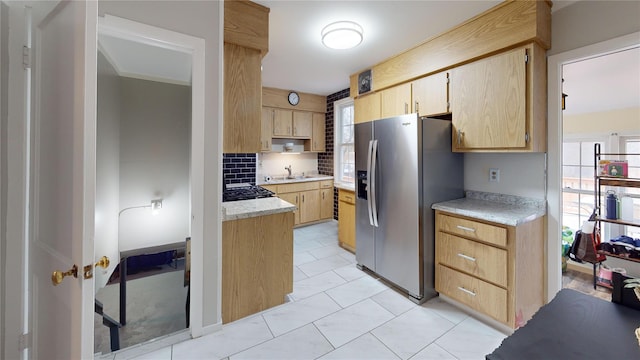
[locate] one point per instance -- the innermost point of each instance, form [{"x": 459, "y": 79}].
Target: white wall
[
  {"x": 4, "y": 74},
  {"x": 621, "y": 121},
  {"x": 107, "y": 169},
  {"x": 520, "y": 174},
  {"x": 154, "y": 162},
  {"x": 273, "y": 164},
  {"x": 200, "y": 19}
]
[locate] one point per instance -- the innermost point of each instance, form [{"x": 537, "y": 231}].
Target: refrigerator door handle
[
  {"x": 370, "y": 212},
  {"x": 374, "y": 160}
]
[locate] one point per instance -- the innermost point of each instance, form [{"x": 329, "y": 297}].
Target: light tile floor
[{"x": 339, "y": 312}]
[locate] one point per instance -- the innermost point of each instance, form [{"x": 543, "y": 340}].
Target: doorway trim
[
  {"x": 155, "y": 36},
  {"x": 554, "y": 136}
]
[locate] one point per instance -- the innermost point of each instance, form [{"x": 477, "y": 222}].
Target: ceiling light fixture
[{"x": 342, "y": 35}]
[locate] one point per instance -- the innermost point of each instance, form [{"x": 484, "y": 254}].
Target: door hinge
[
  {"x": 24, "y": 341},
  {"x": 526, "y": 137},
  {"x": 26, "y": 57},
  {"x": 526, "y": 58}
]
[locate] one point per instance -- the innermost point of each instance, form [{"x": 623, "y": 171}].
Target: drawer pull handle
[
  {"x": 467, "y": 257},
  {"x": 466, "y": 228},
  {"x": 466, "y": 291}
]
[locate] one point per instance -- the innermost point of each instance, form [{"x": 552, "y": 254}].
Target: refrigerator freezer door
[
  {"x": 398, "y": 255},
  {"x": 365, "y": 248}
]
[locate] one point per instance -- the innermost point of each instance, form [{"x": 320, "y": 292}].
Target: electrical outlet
[{"x": 494, "y": 175}]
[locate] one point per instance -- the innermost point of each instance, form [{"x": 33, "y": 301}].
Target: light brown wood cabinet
[
  {"x": 347, "y": 219},
  {"x": 326, "y": 199},
  {"x": 282, "y": 122},
  {"x": 430, "y": 95},
  {"x": 396, "y": 101},
  {"x": 246, "y": 29},
  {"x": 257, "y": 264},
  {"x": 266, "y": 130},
  {"x": 302, "y": 125},
  {"x": 495, "y": 103},
  {"x": 367, "y": 108},
  {"x": 494, "y": 269},
  {"x": 314, "y": 199},
  {"x": 318, "y": 135}
]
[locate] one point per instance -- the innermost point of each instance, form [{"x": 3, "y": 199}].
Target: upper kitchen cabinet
[
  {"x": 246, "y": 41},
  {"x": 430, "y": 95},
  {"x": 318, "y": 136},
  {"x": 302, "y": 124},
  {"x": 498, "y": 103},
  {"x": 367, "y": 108},
  {"x": 282, "y": 122},
  {"x": 266, "y": 129},
  {"x": 396, "y": 101}
]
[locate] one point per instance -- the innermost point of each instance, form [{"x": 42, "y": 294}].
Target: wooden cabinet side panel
[
  {"x": 318, "y": 136},
  {"x": 267, "y": 129},
  {"x": 496, "y": 121},
  {"x": 537, "y": 96},
  {"x": 367, "y": 108},
  {"x": 278, "y": 98},
  {"x": 246, "y": 24},
  {"x": 242, "y": 100},
  {"x": 257, "y": 264},
  {"x": 347, "y": 221},
  {"x": 529, "y": 270}
]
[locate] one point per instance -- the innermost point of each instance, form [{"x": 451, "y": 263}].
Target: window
[
  {"x": 630, "y": 197},
  {"x": 577, "y": 181},
  {"x": 344, "y": 154}
]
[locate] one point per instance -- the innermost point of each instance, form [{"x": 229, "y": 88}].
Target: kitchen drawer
[
  {"x": 326, "y": 184},
  {"x": 472, "y": 229},
  {"x": 347, "y": 196},
  {"x": 297, "y": 187},
  {"x": 484, "y": 261},
  {"x": 477, "y": 294}
]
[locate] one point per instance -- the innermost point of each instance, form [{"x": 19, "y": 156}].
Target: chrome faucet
[{"x": 288, "y": 168}]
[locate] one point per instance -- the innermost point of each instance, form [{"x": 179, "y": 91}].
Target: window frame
[{"x": 338, "y": 144}]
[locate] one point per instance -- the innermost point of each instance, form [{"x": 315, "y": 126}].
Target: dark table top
[{"x": 575, "y": 326}]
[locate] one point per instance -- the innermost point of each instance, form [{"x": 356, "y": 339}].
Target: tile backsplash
[{"x": 239, "y": 168}]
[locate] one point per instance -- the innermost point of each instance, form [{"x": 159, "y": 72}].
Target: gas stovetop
[{"x": 245, "y": 192}]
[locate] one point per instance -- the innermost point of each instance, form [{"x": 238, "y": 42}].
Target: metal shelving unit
[{"x": 601, "y": 181}]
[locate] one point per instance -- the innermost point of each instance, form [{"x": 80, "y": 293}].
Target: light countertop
[
  {"x": 243, "y": 209},
  {"x": 284, "y": 180},
  {"x": 498, "y": 208},
  {"x": 345, "y": 186}
]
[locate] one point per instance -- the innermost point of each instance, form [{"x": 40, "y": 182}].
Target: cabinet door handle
[
  {"x": 466, "y": 228},
  {"x": 406, "y": 108},
  {"x": 322, "y": 196},
  {"x": 467, "y": 257},
  {"x": 466, "y": 291},
  {"x": 302, "y": 198},
  {"x": 296, "y": 199},
  {"x": 459, "y": 137}
]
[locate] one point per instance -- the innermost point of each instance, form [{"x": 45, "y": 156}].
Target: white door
[{"x": 62, "y": 177}]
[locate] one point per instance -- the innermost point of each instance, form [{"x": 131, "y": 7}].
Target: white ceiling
[{"x": 603, "y": 83}]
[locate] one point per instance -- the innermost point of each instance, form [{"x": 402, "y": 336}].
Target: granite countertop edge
[
  {"x": 498, "y": 208},
  {"x": 245, "y": 209}
]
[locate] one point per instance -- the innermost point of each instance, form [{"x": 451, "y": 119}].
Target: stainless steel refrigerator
[{"x": 404, "y": 164}]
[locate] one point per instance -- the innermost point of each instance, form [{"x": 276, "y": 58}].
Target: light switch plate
[{"x": 494, "y": 175}]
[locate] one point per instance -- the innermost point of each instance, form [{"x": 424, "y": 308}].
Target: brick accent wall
[
  {"x": 239, "y": 168},
  {"x": 325, "y": 159}
]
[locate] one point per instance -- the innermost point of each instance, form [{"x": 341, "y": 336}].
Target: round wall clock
[{"x": 294, "y": 98}]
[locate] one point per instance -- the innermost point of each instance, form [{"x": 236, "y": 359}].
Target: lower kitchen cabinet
[
  {"x": 495, "y": 269},
  {"x": 347, "y": 219},
  {"x": 257, "y": 264},
  {"x": 314, "y": 199}
]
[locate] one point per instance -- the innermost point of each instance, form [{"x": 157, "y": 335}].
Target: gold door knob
[
  {"x": 58, "y": 276},
  {"x": 88, "y": 270},
  {"x": 103, "y": 262}
]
